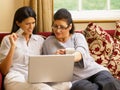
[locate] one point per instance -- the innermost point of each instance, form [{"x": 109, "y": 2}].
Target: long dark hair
[
  {"x": 20, "y": 15},
  {"x": 64, "y": 14}
]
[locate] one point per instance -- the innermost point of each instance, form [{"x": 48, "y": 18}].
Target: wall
[
  {"x": 7, "y": 9},
  {"x": 104, "y": 25}
]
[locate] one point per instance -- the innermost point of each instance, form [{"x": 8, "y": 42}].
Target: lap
[
  {"x": 106, "y": 81},
  {"x": 17, "y": 81},
  {"x": 61, "y": 86},
  {"x": 100, "y": 81},
  {"x": 84, "y": 85}
]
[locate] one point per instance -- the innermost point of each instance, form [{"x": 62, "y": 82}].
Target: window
[{"x": 90, "y": 9}]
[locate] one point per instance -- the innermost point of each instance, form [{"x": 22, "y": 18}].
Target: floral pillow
[
  {"x": 114, "y": 63},
  {"x": 117, "y": 32},
  {"x": 100, "y": 43}
]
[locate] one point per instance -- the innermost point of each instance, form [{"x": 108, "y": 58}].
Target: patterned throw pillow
[
  {"x": 114, "y": 64},
  {"x": 100, "y": 43},
  {"x": 117, "y": 32}
]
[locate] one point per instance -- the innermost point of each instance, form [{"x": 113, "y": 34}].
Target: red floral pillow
[
  {"x": 117, "y": 32},
  {"x": 114, "y": 64},
  {"x": 100, "y": 43}
]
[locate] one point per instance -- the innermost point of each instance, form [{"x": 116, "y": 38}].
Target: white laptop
[{"x": 50, "y": 68}]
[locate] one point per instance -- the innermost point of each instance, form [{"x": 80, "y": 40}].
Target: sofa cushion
[{"x": 100, "y": 43}]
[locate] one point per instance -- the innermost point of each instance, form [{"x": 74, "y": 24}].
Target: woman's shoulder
[
  {"x": 50, "y": 37},
  {"x": 5, "y": 40},
  {"x": 6, "y": 37},
  {"x": 78, "y": 35}
]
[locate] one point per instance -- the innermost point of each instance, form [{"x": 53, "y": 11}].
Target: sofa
[{"x": 104, "y": 46}]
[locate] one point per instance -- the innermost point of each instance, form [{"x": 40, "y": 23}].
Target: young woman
[
  {"x": 88, "y": 75},
  {"x": 16, "y": 48}
]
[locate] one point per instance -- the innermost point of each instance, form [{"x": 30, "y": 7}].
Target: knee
[
  {"x": 84, "y": 85},
  {"x": 111, "y": 86}
]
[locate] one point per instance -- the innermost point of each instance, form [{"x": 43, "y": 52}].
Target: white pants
[{"x": 16, "y": 81}]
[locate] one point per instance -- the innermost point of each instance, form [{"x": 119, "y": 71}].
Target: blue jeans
[{"x": 100, "y": 81}]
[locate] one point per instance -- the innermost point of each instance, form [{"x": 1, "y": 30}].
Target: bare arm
[{"x": 6, "y": 63}]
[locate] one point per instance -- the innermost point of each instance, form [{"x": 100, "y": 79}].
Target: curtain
[{"x": 44, "y": 11}]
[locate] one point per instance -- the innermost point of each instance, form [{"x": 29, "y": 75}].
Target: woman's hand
[
  {"x": 13, "y": 37},
  {"x": 77, "y": 55},
  {"x": 60, "y": 51}
]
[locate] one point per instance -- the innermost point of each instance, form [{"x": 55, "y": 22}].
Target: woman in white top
[
  {"x": 15, "y": 51},
  {"x": 16, "y": 48},
  {"x": 87, "y": 75}
]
